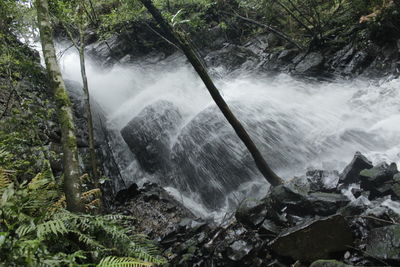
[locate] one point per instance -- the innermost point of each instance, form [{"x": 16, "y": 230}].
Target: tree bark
[
  {"x": 72, "y": 185},
  {"x": 262, "y": 165},
  {"x": 92, "y": 150}
]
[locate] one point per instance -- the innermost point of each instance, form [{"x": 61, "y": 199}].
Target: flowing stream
[{"x": 177, "y": 136}]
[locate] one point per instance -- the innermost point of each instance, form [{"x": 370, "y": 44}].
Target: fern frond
[
  {"x": 5, "y": 181},
  {"x": 54, "y": 227},
  {"x": 88, "y": 240},
  {"x": 25, "y": 229},
  {"x": 123, "y": 262}
]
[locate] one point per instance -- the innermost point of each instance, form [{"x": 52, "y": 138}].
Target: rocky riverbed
[{"x": 323, "y": 218}]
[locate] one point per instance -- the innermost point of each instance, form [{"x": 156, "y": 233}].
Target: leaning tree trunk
[
  {"x": 92, "y": 150},
  {"x": 262, "y": 165},
  {"x": 72, "y": 187}
]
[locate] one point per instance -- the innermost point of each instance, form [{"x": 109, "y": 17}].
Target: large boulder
[
  {"x": 351, "y": 173},
  {"x": 314, "y": 240},
  {"x": 379, "y": 180},
  {"x": 384, "y": 243},
  {"x": 149, "y": 134},
  {"x": 311, "y": 63},
  {"x": 296, "y": 202},
  {"x": 209, "y": 159}
]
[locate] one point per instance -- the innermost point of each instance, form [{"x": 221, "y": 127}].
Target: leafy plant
[{"x": 35, "y": 231}]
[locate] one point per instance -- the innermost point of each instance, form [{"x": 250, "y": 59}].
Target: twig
[
  {"x": 270, "y": 28},
  {"x": 160, "y": 35},
  {"x": 377, "y": 219}
]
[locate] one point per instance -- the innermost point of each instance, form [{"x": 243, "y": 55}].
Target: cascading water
[{"x": 174, "y": 135}]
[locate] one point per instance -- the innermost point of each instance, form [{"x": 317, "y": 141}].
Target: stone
[
  {"x": 356, "y": 192},
  {"x": 238, "y": 250},
  {"x": 268, "y": 227},
  {"x": 148, "y": 134},
  {"x": 329, "y": 263},
  {"x": 294, "y": 202},
  {"x": 311, "y": 63},
  {"x": 378, "y": 180},
  {"x": 251, "y": 213},
  {"x": 351, "y": 173},
  {"x": 356, "y": 207},
  {"x": 396, "y": 187},
  {"x": 326, "y": 203},
  {"x": 324, "y": 181},
  {"x": 314, "y": 240},
  {"x": 384, "y": 243}
]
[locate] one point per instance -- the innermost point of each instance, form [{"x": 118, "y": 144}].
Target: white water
[{"x": 330, "y": 121}]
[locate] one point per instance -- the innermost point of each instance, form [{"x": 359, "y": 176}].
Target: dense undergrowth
[
  {"x": 35, "y": 227},
  {"x": 313, "y": 23}
]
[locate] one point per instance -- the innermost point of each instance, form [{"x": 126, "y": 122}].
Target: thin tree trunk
[
  {"x": 262, "y": 165},
  {"x": 92, "y": 150},
  {"x": 72, "y": 185}
]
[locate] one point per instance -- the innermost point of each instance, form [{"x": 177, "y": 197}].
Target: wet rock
[
  {"x": 268, "y": 227},
  {"x": 378, "y": 180},
  {"x": 329, "y": 263},
  {"x": 311, "y": 63},
  {"x": 358, "y": 63},
  {"x": 396, "y": 187},
  {"x": 384, "y": 243},
  {"x": 326, "y": 203},
  {"x": 231, "y": 56},
  {"x": 323, "y": 181},
  {"x": 126, "y": 194},
  {"x": 238, "y": 250},
  {"x": 314, "y": 240},
  {"x": 351, "y": 173},
  {"x": 356, "y": 192},
  {"x": 294, "y": 202},
  {"x": 251, "y": 213},
  {"x": 356, "y": 207},
  {"x": 157, "y": 214},
  {"x": 148, "y": 134}
]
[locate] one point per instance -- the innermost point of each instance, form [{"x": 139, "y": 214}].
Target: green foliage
[
  {"x": 35, "y": 231},
  {"x": 316, "y": 21},
  {"x": 21, "y": 141}
]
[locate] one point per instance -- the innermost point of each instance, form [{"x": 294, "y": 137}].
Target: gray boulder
[
  {"x": 314, "y": 240},
  {"x": 384, "y": 243},
  {"x": 148, "y": 135},
  {"x": 351, "y": 173}
]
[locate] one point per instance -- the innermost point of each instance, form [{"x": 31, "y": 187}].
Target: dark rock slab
[
  {"x": 384, "y": 243},
  {"x": 351, "y": 173},
  {"x": 293, "y": 201},
  {"x": 296, "y": 202},
  {"x": 379, "y": 179},
  {"x": 251, "y": 213},
  {"x": 314, "y": 240},
  {"x": 311, "y": 63},
  {"x": 148, "y": 134},
  {"x": 326, "y": 203}
]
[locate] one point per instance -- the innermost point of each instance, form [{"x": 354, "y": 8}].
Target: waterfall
[{"x": 173, "y": 134}]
